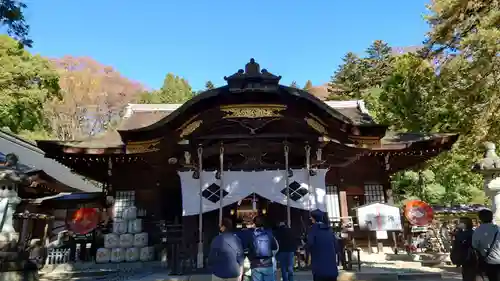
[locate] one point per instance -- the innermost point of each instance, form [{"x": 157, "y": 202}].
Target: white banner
[{"x": 238, "y": 185}]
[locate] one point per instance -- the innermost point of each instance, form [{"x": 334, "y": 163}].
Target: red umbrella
[
  {"x": 419, "y": 213},
  {"x": 84, "y": 220}
]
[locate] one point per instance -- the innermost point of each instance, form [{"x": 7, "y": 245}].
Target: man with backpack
[
  {"x": 226, "y": 254},
  {"x": 486, "y": 242},
  {"x": 261, "y": 249}
]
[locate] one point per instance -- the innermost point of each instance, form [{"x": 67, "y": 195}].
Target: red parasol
[
  {"x": 419, "y": 213},
  {"x": 84, "y": 220}
]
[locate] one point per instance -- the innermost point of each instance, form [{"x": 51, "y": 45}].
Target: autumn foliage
[{"x": 94, "y": 95}]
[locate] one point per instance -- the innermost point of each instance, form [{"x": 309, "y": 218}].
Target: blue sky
[{"x": 205, "y": 40}]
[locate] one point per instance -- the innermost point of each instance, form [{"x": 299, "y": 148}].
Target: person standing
[
  {"x": 323, "y": 248},
  {"x": 285, "y": 256},
  {"x": 226, "y": 254},
  {"x": 486, "y": 242},
  {"x": 261, "y": 246},
  {"x": 462, "y": 252}
]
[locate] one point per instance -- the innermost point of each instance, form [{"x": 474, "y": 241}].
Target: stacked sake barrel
[{"x": 127, "y": 242}]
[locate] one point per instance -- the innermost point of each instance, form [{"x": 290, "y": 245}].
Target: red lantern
[
  {"x": 419, "y": 213},
  {"x": 84, "y": 220}
]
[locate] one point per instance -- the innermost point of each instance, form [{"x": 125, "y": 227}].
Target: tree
[
  {"x": 94, "y": 96},
  {"x": 12, "y": 16},
  {"x": 456, "y": 25},
  {"x": 174, "y": 90},
  {"x": 414, "y": 94},
  {"x": 308, "y": 85},
  {"x": 294, "y": 85},
  {"x": 27, "y": 83},
  {"x": 348, "y": 81},
  {"x": 209, "y": 85},
  {"x": 470, "y": 31}
]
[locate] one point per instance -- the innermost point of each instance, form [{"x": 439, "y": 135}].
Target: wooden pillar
[
  {"x": 344, "y": 211},
  {"x": 389, "y": 199}
]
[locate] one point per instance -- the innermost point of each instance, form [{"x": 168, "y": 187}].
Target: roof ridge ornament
[{"x": 252, "y": 79}]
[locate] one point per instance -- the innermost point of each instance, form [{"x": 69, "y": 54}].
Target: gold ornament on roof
[
  {"x": 190, "y": 128},
  {"x": 142, "y": 147},
  {"x": 253, "y": 111},
  {"x": 316, "y": 125}
]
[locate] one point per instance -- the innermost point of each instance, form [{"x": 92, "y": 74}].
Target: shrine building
[{"x": 250, "y": 147}]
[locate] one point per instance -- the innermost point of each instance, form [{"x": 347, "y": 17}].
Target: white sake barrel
[
  {"x": 141, "y": 239},
  {"x": 103, "y": 255},
  {"x": 130, "y": 213},
  {"x": 147, "y": 254},
  {"x": 119, "y": 226},
  {"x": 117, "y": 255},
  {"x": 111, "y": 240},
  {"x": 132, "y": 254},
  {"x": 126, "y": 240},
  {"x": 135, "y": 226}
]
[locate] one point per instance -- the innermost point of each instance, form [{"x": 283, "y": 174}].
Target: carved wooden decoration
[
  {"x": 252, "y": 111},
  {"x": 364, "y": 141},
  {"x": 190, "y": 128},
  {"x": 143, "y": 146},
  {"x": 316, "y": 125}
]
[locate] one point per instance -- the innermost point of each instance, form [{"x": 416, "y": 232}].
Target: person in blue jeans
[
  {"x": 261, "y": 246},
  {"x": 286, "y": 254}
]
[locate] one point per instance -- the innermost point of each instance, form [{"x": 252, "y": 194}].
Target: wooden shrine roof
[
  {"x": 33, "y": 158},
  {"x": 141, "y": 115},
  {"x": 254, "y": 94}
]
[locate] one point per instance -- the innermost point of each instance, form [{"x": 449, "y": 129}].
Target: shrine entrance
[
  {"x": 247, "y": 209},
  {"x": 243, "y": 212}
]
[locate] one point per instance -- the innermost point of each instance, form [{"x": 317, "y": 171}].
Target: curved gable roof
[{"x": 200, "y": 101}]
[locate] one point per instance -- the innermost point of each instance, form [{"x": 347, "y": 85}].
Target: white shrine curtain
[{"x": 239, "y": 184}]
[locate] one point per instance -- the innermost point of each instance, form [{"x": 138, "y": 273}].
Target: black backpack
[
  {"x": 261, "y": 245},
  {"x": 462, "y": 252}
]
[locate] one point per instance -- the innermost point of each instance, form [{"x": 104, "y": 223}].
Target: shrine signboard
[{"x": 379, "y": 217}]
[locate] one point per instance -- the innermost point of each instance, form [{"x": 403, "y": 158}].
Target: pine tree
[
  {"x": 308, "y": 85},
  {"x": 209, "y": 85}
]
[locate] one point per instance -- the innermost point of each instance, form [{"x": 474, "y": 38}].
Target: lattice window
[
  {"x": 374, "y": 193},
  {"x": 124, "y": 200},
  {"x": 296, "y": 191}
]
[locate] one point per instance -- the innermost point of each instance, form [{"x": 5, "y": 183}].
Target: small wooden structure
[{"x": 252, "y": 145}]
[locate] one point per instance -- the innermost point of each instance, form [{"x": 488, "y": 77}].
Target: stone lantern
[
  {"x": 10, "y": 179},
  {"x": 489, "y": 167},
  {"x": 14, "y": 261}
]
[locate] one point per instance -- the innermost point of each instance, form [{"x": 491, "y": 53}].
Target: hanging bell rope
[
  {"x": 221, "y": 173},
  {"x": 287, "y": 186},
  {"x": 199, "y": 260},
  {"x": 308, "y": 173}
]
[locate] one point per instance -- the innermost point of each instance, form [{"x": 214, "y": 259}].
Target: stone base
[
  {"x": 31, "y": 275},
  {"x": 8, "y": 241}
]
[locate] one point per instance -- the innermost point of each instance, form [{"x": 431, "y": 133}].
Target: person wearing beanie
[{"x": 323, "y": 246}]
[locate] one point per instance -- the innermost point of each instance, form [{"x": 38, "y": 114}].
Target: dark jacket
[
  {"x": 462, "y": 248},
  {"x": 286, "y": 239},
  {"x": 226, "y": 256},
  {"x": 323, "y": 246}
]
